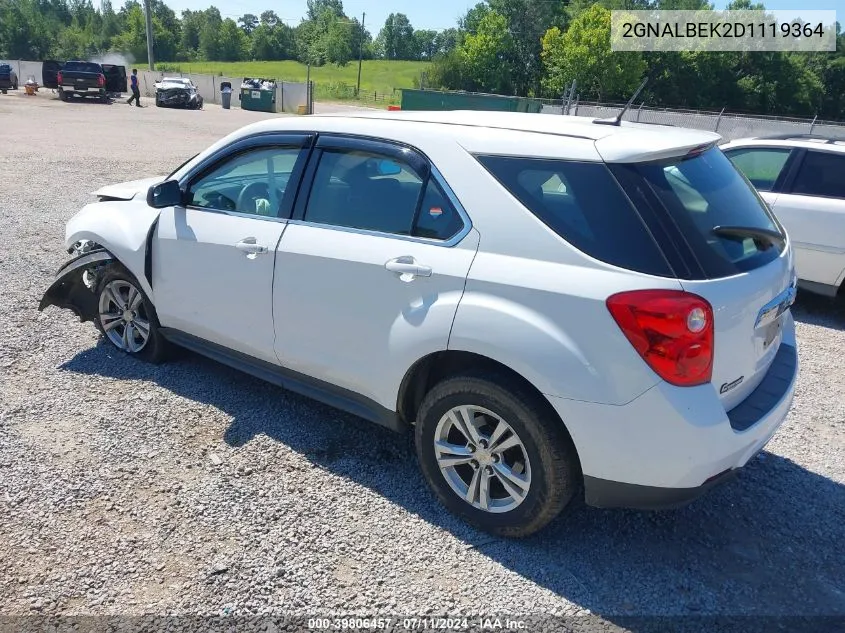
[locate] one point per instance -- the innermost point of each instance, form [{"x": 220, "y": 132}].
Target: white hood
[{"x": 128, "y": 190}]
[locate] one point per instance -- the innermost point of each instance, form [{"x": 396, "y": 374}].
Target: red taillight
[
  {"x": 672, "y": 330},
  {"x": 101, "y": 80},
  {"x": 59, "y": 78}
]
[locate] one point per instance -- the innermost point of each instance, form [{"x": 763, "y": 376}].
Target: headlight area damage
[
  {"x": 73, "y": 287},
  {"x": 178, "y": 97}
]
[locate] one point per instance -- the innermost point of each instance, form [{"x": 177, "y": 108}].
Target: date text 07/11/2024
[{"x": 416, "y": 624}]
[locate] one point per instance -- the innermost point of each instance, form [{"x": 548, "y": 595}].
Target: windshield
[
  {"x": 83, "y": 67},
  {"x": 716, "y": 211}
]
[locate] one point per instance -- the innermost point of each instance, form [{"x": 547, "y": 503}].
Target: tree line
[
  {"x": 71, "y": 29},
  {"x": 513, "y": 47}
]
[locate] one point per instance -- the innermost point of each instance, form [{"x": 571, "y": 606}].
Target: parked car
[
  {"x": 82, "y": 79},
  {"x": 8, "y": 78},
  {"x": 549, "y": 303},
  {"x": 114, "y": 78},
  {"x": 178, "y": 92},
  {"x": 802, "y": 178}
]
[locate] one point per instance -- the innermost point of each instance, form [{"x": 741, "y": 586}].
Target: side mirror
[
  {"x": 165, "y": 194},
  {"x": 386, "y": 167}
]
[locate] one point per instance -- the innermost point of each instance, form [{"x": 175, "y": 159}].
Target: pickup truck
[
  {"x": 8, "y": 78},
  {"x": 82, "y": 79}
]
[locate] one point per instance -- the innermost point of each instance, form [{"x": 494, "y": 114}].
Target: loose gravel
[{"x": 190, "y": 488}]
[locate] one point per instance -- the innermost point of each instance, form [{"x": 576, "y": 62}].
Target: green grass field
[{"x": 379, "y": 76}]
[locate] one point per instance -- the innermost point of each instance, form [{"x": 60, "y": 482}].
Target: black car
[
  {"x": 8, "y": 78},
  {"x": 115, "y": 76},
  {"x": 178, "y": 92}
]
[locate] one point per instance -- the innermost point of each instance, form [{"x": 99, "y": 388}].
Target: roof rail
[{"x": 830, "y": 140}]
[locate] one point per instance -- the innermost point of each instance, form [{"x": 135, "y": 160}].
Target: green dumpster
[{"x": 258, "y": 95}]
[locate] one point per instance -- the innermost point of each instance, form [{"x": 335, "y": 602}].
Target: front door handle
[
  {"x": 407, "y": 268},
  {"x": 249, "y": 246}
]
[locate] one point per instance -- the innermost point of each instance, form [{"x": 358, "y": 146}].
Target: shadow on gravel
[
  {"x": 768, "y": 543},
  {"x": 822, "y": 311}
]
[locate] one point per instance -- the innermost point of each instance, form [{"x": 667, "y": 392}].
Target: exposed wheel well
[{"x": 430, "y": 370}]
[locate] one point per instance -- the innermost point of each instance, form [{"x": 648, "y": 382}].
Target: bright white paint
[
  {"x": 320, "y": 301},
  {"x": 816, "y": 225}
]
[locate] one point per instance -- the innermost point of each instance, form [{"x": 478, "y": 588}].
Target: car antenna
[{"x": 617, "y": 120}]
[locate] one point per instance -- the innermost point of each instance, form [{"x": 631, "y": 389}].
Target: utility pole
[
  {"x": 149, "y": 34},
  {"x": 360, "y": 54}
]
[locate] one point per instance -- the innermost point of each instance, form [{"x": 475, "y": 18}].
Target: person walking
[{"x": 136, "y": 93}]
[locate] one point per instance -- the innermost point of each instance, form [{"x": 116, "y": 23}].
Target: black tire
[
  {"x": 156, "y": 349},
  {"x": 555, "y": 470},
  {"x": 62, "y": 95}
]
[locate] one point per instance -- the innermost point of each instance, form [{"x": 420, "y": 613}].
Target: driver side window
[{"x": 252, "y": 182}]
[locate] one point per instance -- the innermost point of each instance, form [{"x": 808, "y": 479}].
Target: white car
[
  {"x": 549, "y": 303},
  {"x": 802, "y": 178}
]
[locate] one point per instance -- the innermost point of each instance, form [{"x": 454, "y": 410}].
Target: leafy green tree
[
  {"x": 209, "y": 40},
  {"x": 133, "y": 39},
  {"x": 231, "y": 42},
  {"x": 396, "y": 39},
  {"x": 488, "y": 55},
  {"x": 526, "y": 22},
  {"x": 269, "y": 18},
  {"x": 248, "y": 23},
  {"x": 469, "y": 23},
  {"x": 446, "y": 41},
  {"x": 583, "y": 53},
  {"x": 316, "y": 8},
  {"x": 426, "y": 43}
]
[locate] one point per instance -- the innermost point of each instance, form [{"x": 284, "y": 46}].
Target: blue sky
[{"x": 424, "y": 14}]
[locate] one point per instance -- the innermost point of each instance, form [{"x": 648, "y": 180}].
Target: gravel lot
[{"x": 192, "y": 489}]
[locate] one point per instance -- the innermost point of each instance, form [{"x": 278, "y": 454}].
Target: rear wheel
[
  {"x": 495, "y": 456},
  {"x": 126, "y": 317}
]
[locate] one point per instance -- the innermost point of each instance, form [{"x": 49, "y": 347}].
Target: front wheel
[
  {"x": 496, "y": 457},
  {"x": 126, "y": 317}
]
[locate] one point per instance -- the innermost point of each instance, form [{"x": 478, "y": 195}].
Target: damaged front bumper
[
  {"x": 179, "y": 99},
  {"x": 73, "y": 287}
]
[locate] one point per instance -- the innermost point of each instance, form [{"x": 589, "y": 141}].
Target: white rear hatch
[{"x": 727, "y": 248}]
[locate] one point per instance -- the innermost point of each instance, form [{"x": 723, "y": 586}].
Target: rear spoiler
[{"x": 621, "y": 148}]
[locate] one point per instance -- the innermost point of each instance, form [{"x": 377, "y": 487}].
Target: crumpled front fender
[{"x": 69, "y": 291}]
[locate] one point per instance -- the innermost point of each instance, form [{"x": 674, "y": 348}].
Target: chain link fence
[{"x": 729, "y": 125}]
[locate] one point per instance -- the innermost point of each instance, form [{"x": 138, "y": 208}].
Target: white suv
[
  {"x": 550, "y": 303},
  {"x": 802, "y": 178}
]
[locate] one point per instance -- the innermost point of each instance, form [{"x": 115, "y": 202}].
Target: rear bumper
[
  {"x": 88, "y": 92},
  {"x": 672, "y": 444},
  {"x": 601, "y": 493}
]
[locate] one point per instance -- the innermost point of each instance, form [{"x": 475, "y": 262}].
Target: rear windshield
[
  {"x": 583, "y": 204},
  {"x": 707, "y": 209},
  {"x": 83, "y": 67}
]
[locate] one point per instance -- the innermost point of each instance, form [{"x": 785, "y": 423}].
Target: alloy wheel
[
  {"x": 482, "y": 459},
  {"x": 123, "y": 316}
]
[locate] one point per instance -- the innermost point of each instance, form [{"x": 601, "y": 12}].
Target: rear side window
[
  {"x": 583, "y": 204},
  {"x": 366, "y": 190},
  {"x": 761, "y": 166},
  {"x": 821, "y": 174},
  {"x": 710, "y": 210}
]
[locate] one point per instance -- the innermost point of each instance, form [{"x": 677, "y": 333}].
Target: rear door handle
[
  {"x": 407, "y": 268},
  {"x": 249, "y": 246}
]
